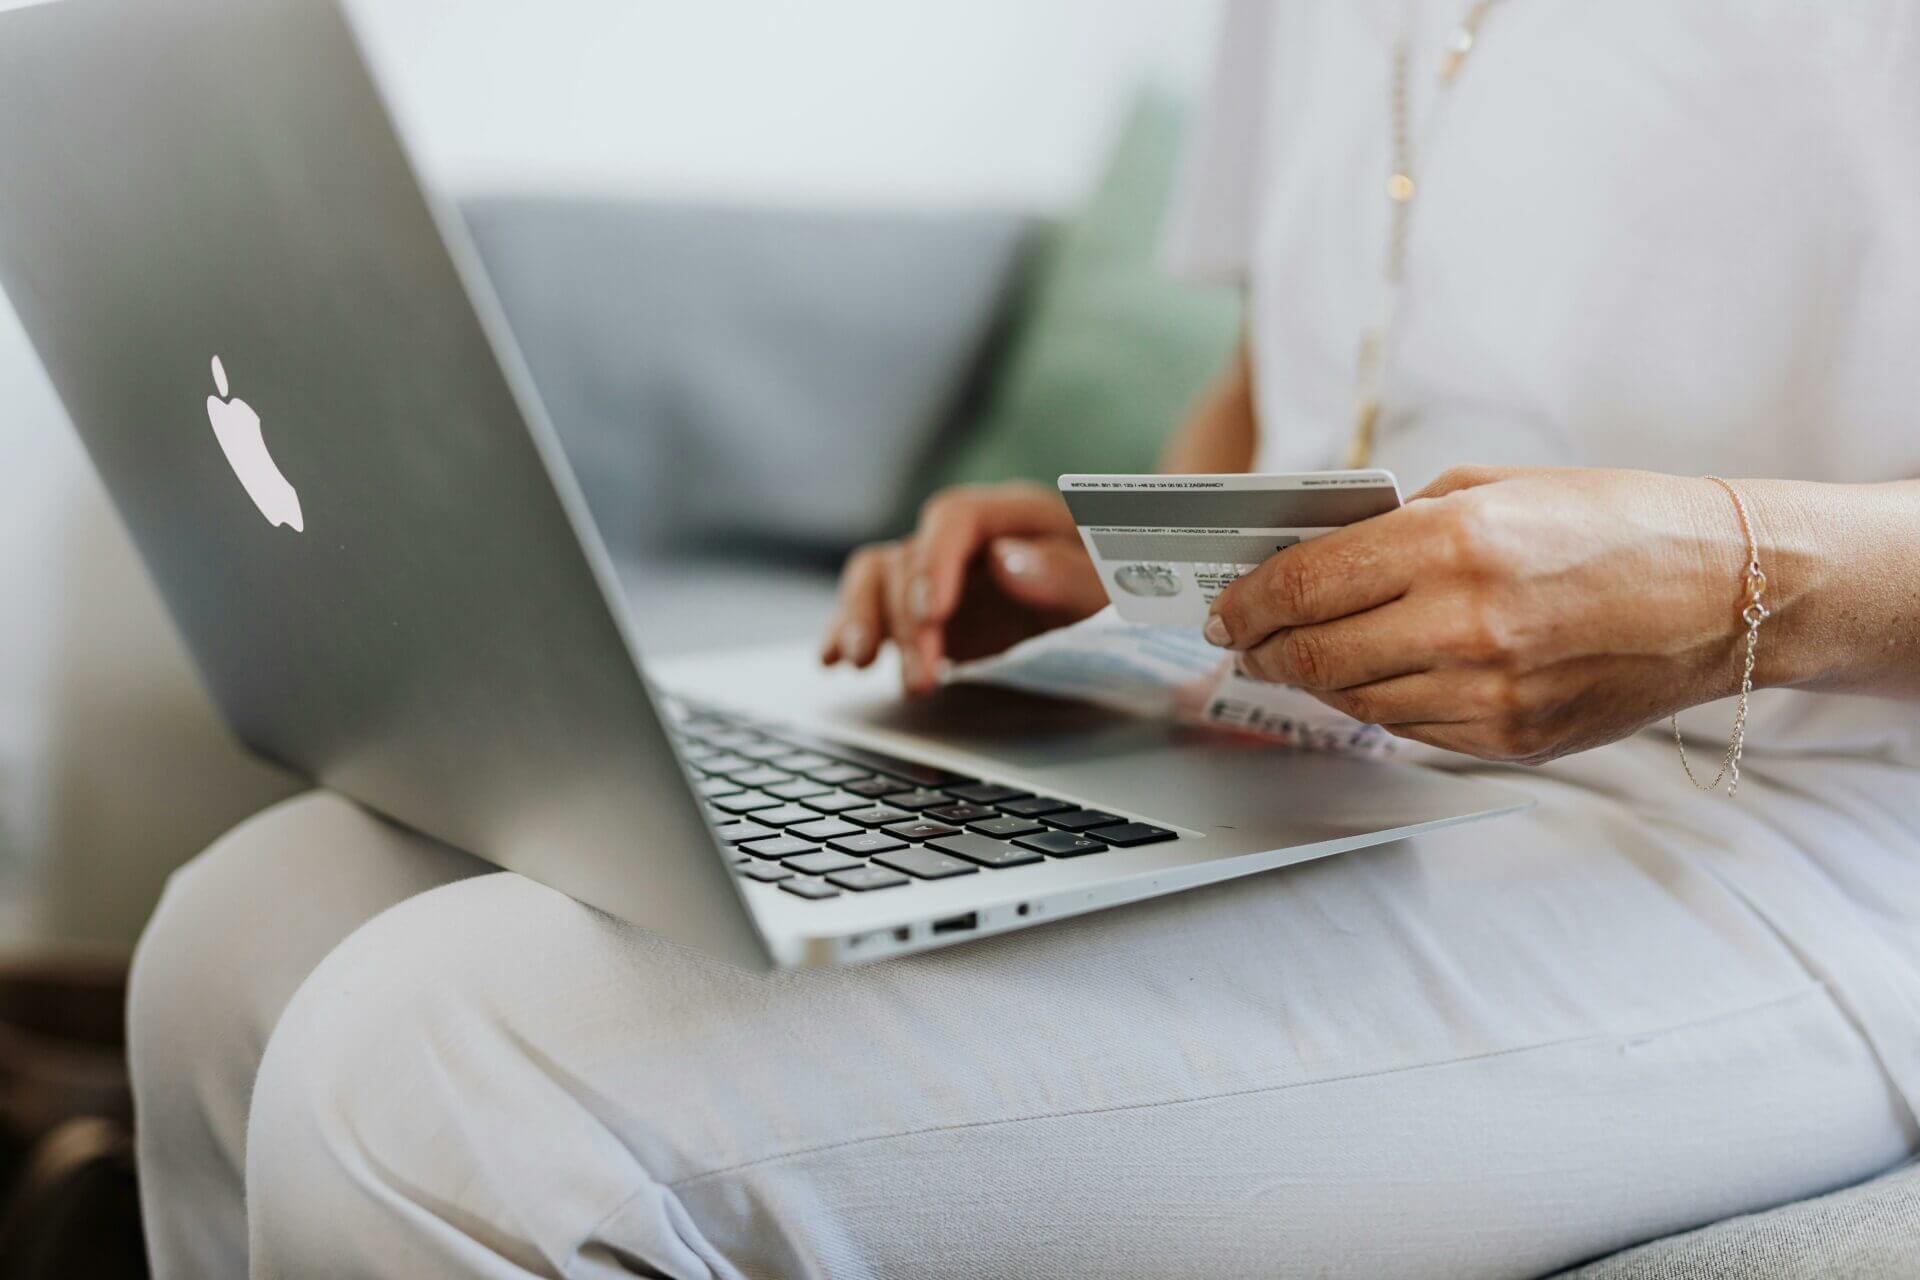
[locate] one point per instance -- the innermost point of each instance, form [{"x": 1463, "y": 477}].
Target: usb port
[{"x": 957, "y": 924}]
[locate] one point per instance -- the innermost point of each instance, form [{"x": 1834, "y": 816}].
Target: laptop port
[{"x": 957, "y": 924}]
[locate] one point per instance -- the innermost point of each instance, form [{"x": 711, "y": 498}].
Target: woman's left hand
[{"x": 1510, "y": 614}]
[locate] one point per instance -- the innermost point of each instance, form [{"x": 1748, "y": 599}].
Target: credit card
[{"x": 1165, "y": 546}]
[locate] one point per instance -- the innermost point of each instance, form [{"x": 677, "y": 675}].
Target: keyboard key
[
  {"x": 1061, "y": 844},
  {"x": 867, "y": 842},
  {"x": 1034, "y": 806},
  {"x": 988, "y": 853},
  {"x": 740, "y": 832},
  {"x": 1006, "y": 828},
  {"x": 836, "y": 802},
  {"x": 730, "y": 738},
  {"x": 798, "y": 789},
  {"x": 1129, "y": 834},
  {"x": 1081, "y": 819},
  {"x": 917, "y": 799},
  {"x": 744, "y": 802},
  {"x": 814, "y": 889},
  {"x": 862, "y": 879},
  {"x": 962, "y": 814},
  {"x": 823, "y": 829},
  {"x": 920, "y": 775},
  {"x": 723, "y": 764},
  {"x": 873, "y": 788},
  {"x": 711, "y": 787},
  {"x": 786, "y": 815},
  {"x": 823, "y": 862},
  {"x": 779, "y": 847},
  {"x": 760, "y": 776},
  {"x": 800, "y": 761},
  {"x": 765, "y": 749},
  {"x": 695, "y": 752},
  {"x": 927, "y": 864},
  {"x": 920, "y": 829},
  {"x": 766, "y": 872},
  {"x": 986, "y": 793},
  {"x": 879, "y": 815},
  {"x": 837, "y": 775}
]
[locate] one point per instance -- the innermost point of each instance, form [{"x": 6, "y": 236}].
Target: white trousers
[{"x": 1493, "y": 1051}]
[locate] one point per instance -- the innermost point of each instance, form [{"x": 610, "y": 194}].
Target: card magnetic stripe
[{"x": 1230, "y": 508}]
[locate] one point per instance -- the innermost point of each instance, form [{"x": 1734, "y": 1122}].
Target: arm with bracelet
[{"x": 1527, "y": 614}]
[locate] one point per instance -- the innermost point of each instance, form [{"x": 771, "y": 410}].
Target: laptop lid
[{"x": 301, "y": 397}]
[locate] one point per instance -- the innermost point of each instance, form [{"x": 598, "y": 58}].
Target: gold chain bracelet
[{"x": 1753, "y": 614}]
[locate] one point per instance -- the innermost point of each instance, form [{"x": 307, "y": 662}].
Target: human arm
[
  {"x": 990, "y": 565},
  {"x": 1527, "y": 614}
]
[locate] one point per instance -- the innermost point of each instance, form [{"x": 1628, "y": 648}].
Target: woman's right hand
[{"x": 988, "y": 566}]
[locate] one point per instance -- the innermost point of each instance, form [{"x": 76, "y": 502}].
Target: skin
[
  {"x": 990, "y": 565},
  {"x": 1510, "y": 614}
]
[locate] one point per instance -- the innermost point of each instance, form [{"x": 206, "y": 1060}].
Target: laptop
[{"x": 310, "y": 413}]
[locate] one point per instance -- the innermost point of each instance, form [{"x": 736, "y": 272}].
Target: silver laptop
[{"x": 308, "y": 409}]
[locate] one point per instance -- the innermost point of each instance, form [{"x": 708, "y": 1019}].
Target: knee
[
  {"x": 237, "y": 931},
  {"x": 405, "y": 1116},
  {"x": 201, "y": 995}
]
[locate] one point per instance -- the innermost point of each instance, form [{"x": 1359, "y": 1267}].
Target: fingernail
[
  {"x": 1016, "y": 560},
  {"x": 853, "y": 640},
  {"x": 920, "y": 597},
  {"x": 1216, "y": 631}
]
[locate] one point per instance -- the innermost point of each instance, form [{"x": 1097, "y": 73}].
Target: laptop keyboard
[{"x": 821, "y": 819}]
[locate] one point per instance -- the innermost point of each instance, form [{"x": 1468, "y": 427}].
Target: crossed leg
[{"x": 1492, "y": 1051}]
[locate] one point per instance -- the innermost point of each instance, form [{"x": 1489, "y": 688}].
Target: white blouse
[{"x": 1676, "y": 236}]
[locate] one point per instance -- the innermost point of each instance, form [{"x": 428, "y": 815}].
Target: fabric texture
[
  {"x": 1108, "y": 351},
  {"x": 208, "y": 990},
  {"x": 729, "y": 374},
  {"x": 1493, "y": 1051},
  {"x": 1645, "y": 234},
  {"x": 1868, "y": 1232},
  {"x": 1600, "y": 272}
]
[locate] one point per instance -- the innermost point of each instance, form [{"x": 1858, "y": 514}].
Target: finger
[
  {"x": 1424, "y": 697},
  {"x": 918, "y": 643},
  {"x": 1391, "y": 640},
  {"x": 854, "y": 634},
  {"x": 1051, "y": 574},
  {"x": 1336, "y": 574},
  {"x": 955, "y": 525}
]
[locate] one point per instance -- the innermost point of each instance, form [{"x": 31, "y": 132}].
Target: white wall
[{"x": 820, "y": 101}]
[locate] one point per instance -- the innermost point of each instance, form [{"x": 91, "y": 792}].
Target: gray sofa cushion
[
  {"x": 686, "y": 602},
  {"x": 719, "y": 373},
  {"x": 1868, "y": 1232}
]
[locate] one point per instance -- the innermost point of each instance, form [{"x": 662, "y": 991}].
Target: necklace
[{"x": 1401, "y": 190}]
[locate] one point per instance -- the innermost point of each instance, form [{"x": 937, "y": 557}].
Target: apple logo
[{"x": 237, "y": 427}]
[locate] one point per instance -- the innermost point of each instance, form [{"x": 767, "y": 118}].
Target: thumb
[{"x": 1046, "y": 573}]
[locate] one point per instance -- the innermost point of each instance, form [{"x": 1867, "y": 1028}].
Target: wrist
[{"x": 1795, "y": 554}]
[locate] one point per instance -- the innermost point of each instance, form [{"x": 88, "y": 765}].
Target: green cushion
[{"x": 1107, "y": 352}]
